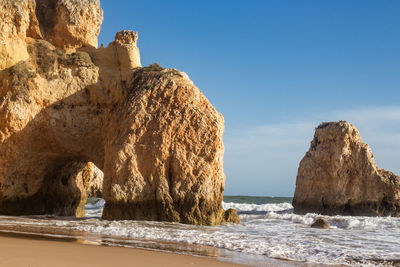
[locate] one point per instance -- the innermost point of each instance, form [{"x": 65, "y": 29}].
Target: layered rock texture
[
  {"x": 18, "y": 22},
  {"x": 67, "y": 107},
  {"x": 338, "y": 175}
]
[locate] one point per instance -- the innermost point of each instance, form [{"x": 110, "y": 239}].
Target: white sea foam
[
  {"x": 273, "y": 231},
  {"x": 293, "y": 241},
  {"x": 240, "y": 207}
]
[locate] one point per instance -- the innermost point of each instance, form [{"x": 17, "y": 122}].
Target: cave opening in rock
[
  {"x": 93, "y": 183},
  {"x": 67, "y": 186}
]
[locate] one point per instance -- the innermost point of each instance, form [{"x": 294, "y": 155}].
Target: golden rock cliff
[
  {"x": 65, "y": 105},
  {"x": 338, "y": 175}
]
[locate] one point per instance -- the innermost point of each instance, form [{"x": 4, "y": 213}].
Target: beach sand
[{"x": 29, "y": 252}]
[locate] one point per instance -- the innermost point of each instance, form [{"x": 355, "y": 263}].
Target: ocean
[{"x": 269, "y": 231}]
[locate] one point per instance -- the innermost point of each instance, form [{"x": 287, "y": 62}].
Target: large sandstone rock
[
  {"x": 164, "y": 151},
  {"x": 338, "y": 175},
  {"x": 155, "y": 136}
]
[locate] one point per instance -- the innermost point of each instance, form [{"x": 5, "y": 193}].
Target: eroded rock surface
[
  {"x": 63, "y": 191},
  {"x": 338, "y": 175},
  {"x": 163, "y": 155},
  {"x": 18, "y": 22},
  {"x": 65, "y": 103},
  {"x": 92, "y": 178},
  {"x": 70, "y": 24}
]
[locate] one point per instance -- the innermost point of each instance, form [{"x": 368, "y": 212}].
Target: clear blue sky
[{"x": 276, "y": 69}]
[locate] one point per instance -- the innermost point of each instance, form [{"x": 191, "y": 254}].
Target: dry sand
[{"x": 25, "y": 252}]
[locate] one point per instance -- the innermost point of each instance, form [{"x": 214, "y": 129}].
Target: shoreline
[
  {"x": 22, "y": 250},
  {"x": 33, "y": 250}
]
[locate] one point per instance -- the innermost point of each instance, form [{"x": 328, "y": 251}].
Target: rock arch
[{"x": 155, "y": 136}]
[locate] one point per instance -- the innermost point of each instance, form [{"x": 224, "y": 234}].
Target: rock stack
[
  {"x": 65, "y": 103},
  {"x": 338, "y": 175}
]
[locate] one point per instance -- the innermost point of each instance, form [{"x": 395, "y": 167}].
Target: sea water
[{"x": 268, "y": 230}]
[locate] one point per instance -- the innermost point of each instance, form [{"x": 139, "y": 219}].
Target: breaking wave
[{"x": 268, "y": 230}]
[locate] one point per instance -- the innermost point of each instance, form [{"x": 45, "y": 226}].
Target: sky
[{"x": 276, "y": 69}]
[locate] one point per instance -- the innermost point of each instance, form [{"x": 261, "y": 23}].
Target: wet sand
[{"x": 33, "y": 252}]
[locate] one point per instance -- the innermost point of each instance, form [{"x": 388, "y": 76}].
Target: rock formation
[
  {"x": 338, "y": 175},
  {"x": 320, "y": 223},
  {"x": 65, "y": 103},
  {"x": 92, "y": 179}
]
